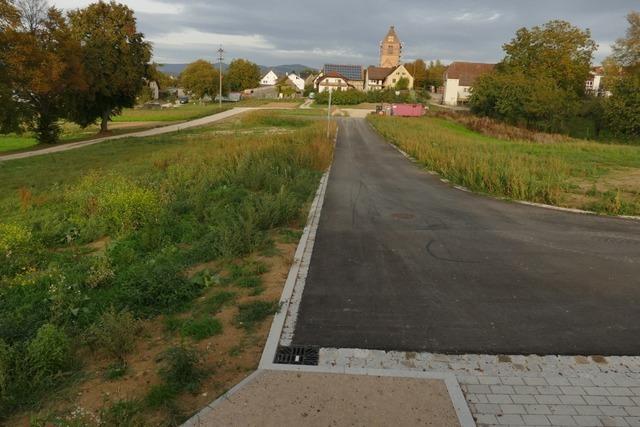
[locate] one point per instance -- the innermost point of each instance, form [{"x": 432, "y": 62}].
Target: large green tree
[
  {"x": 9, "y": 107},
  {"x": 622, "y": 108},
  {"x": 418, "y": 69},
  {"x": 557, "y": 50},
  {"x": 115, "y": 56},
  {"x": 626, "y": 50},
  {"x": 200, "y": 78},
  {"x": 242, "y": 74},
  {"x": 41, "y": 63},
  {"x": 540, "y": 82}
]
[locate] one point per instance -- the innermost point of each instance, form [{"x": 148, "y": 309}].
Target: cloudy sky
[{"x": 278, "y": 32}]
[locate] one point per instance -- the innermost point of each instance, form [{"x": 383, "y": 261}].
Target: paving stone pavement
[{"x": 524, "y": 390}]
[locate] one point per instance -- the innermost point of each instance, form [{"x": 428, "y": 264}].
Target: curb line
[{"x": 520, "y": 202}]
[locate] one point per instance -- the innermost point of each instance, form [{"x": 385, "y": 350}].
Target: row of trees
[
  {"x": 201, "y": 78},
  {"x": 540, "y": 83},
  {"x": 84, "y": 66}
]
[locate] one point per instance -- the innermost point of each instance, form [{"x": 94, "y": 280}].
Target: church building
[{"x": 390, "y": 50}]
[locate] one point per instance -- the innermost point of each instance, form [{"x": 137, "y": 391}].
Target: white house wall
[{"x": 451, "y": 88}]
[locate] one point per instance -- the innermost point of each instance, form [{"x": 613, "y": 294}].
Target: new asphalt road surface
[{"x": 403, "y": 261}]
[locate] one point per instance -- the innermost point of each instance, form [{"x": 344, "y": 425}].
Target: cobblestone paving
[{"x": 524, "y": 390}]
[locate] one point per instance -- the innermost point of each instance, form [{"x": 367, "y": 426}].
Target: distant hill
[{"x": 176, "y": 69}]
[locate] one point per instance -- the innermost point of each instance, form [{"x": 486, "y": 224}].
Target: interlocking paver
[
  {"x": 587, "y": 421},
  {"x": 588, "y": 410},
  {"x": 561, "y": 420},
  {"x": 621, "y": 401},
  {"x": 536, "y": 420},
  {"x": 486, "y": 419},
  {"x": 633, "y": 421},
  {"x": 613, "y": 411},
  {"x": 572, "y": 400},
  {"x": 548, "y": 399},
  {"x": 510, "y": 420},
  {"x": 502, "y": 389},
  {"x": 573, "y": 390},
  {"x": 619, "y": 391},
  {"x": 525, "y": 389},
  {"x": 499, "y": 398},
  {"x": 613, "y": 421},
  {"x": 524, "y": 399},
  {"x": 562, "y": 410},
  {"x": 596, "y": 400},
  {"x": 488, "y": 408},
  {"x": 549, "y": 389},
  {"x": 513, "y": 409},
  {"x": 538, "y": 409},
  {"x": 535, "y": 381}
]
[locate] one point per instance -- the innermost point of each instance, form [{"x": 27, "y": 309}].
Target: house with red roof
[{"x": 459, "y": 79}]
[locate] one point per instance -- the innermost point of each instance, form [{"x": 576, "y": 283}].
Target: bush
[
  {"x": 181, "y": 368},
  {"x": 622, "y": 109},
  {"x": 49, "y": 353},
  {"x": 18, "y": 251},
  {"x": 116, "y": 332}
]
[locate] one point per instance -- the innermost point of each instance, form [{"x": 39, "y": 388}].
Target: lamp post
[
  {"x": 220, "y": 59},
  {"x": 329, "y": 113}
]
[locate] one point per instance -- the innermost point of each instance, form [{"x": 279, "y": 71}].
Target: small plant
[
  {"x": 250, "y": 314},
  {"x": 116, "y": 332},
  {"x": 201, "y": 328},
  {"x": 181, "y": 369},
  {"x": 115, "y": 371},
  {"x": 207, "y": 278},
  {"x": 160, "y": 395},
  {"x": 49, "y": 353},
  {"x": 100, "y": 272},
  {"x": 17, "y": 249}
]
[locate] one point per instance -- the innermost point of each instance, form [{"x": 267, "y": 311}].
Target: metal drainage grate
[{"x": 297, "y": 355}]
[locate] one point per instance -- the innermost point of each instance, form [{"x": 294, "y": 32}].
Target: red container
[{"x": 407, "y": 110}]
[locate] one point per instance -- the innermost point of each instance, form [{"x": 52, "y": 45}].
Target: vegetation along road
[{"x": 402, "y": 261}]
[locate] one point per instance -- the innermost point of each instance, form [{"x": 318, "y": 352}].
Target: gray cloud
[{"x": 277, "y": 31}]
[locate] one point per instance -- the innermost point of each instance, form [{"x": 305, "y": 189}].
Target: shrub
[
  {"x": 116, "y": 332},
  {"x": 250, "y": 314},
  {"x": 181, "y": 368},
  {"x": 18, "y": 251},
  {"x": 101, "y": 272},
  {"x": 49, "y": 353}
]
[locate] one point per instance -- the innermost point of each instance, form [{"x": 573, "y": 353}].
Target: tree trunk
[{"x": 104, "y": 125}]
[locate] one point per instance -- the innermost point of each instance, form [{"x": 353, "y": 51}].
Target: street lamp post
[
  {"x": 220, "y": 59},
  {"x": 329, "y": 114}
]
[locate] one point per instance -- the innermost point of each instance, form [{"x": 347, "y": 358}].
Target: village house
[
  {"x": 594, "y": 85},
  {"x": 332, "y": 81},
  {"x": 269, "y": 79},
  {"x": 297, "y": 81},
  {"x": 379, "y": 78},
  {"x": 459, "y": 79}
]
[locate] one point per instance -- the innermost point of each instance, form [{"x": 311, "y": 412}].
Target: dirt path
[{"x": 149, "y": 132}]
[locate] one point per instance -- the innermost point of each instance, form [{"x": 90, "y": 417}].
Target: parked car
[{"x": 183, "y": 100}]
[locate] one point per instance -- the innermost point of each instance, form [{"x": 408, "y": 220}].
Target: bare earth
[{"x": 276, "y": 398}]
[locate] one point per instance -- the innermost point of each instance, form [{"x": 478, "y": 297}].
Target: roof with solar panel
[{"x": 351, "y": 72}]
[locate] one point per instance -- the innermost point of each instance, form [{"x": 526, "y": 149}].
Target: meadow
[
  {"x": 137, "y": 272},
  {"x": 561, "y": 171},
  {"x": 130, "y": 120}
]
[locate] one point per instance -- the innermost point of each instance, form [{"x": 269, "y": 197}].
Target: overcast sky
[{"x": 274, "y": 32}]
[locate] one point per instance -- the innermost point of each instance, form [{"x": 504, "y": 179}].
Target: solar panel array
[{"x": 351, "y": 72}]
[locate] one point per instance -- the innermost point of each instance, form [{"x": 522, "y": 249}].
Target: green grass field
[
  {"x": 95, "y": 238},
  {"x": 130, "y": 120},
  {"x": 581, "y": 174}
]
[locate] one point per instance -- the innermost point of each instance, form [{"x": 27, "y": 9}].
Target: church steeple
[{"x": 390, "y": 49}]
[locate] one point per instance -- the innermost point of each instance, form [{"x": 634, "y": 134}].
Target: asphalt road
[{"x": 403, "y": 261}]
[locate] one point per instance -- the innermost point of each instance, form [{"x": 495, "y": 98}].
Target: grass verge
[
  {"x": 571, "y": 173},
  {"x": 135, "y": 232}
]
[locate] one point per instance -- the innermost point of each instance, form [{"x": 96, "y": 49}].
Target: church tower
[{"x": 390, "y": 49}]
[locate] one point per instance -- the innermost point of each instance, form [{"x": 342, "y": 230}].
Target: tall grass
[
  {"x": 158, "y": 206},
  {"x": 516, "y": 169}
]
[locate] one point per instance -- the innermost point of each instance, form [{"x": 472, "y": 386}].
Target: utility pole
[
  {"x": 220, "y": 59},
  {"x": 329, "y": 114}
]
